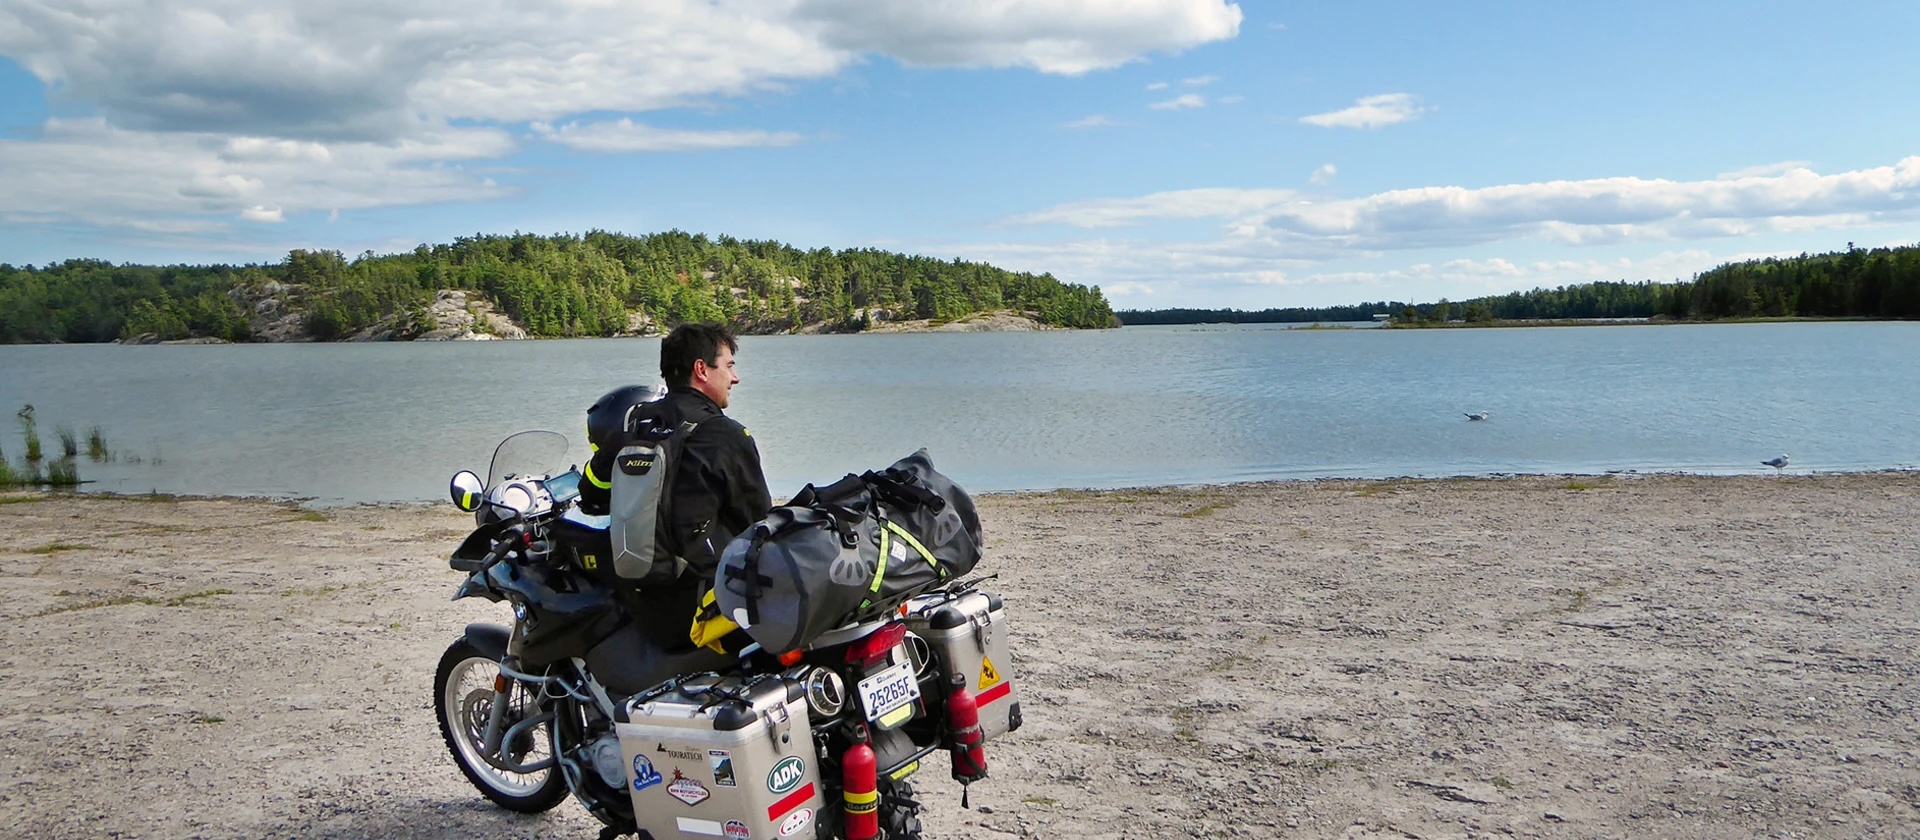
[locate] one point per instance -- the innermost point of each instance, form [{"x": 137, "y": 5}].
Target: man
[{"x": 718, "y": 488}]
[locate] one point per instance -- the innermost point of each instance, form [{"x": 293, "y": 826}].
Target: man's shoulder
[{"x": 720, "y": 427}]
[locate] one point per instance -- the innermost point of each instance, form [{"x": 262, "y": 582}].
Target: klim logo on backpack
[{"x": 641, "y": 495}]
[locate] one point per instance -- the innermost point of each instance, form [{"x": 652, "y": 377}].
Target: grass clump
[
  {"x": 1036, "y": 799},
  {"x": 97, "y": 445},
  {"x": 310, "y": 516},
  {"x": 51, "y": 548},
  {"x": 123, "y": 600},
  {"x": 1207, "y": 509},
  {"x": 32, "y": 433},
  {"x": 69, "y": 442}
]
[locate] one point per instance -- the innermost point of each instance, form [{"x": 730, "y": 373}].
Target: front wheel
[{"x": 463, "y": 699}]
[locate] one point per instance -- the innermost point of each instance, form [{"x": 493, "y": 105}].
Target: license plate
[{"x": 888, "y": 696}]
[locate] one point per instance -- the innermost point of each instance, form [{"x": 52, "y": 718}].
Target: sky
[{"x": 1174, "y": 153}]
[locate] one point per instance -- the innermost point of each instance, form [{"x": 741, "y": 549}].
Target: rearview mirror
[{"x": 466, "y": 490}]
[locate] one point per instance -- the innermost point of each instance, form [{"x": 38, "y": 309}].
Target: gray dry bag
[{"x": 849, "y": 551}]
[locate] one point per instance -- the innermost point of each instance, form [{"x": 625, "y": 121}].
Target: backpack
[
  {"x": 641, "y": 497},
  {"x": 850, "y": 551}
]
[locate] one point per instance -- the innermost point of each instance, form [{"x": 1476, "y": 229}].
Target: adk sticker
[
  {"x": 721, "y": 763},
  {"x": 644, "y": 776},
  {"x": 796, "y": 822},
  {"x": 687, "y": 790},
  {"x": 736, "y": 830},
  {"x": 989, "y": 675},
  {"x": 786, "y": 775}
]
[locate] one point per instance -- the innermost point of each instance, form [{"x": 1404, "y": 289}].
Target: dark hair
[{"x": 688, "y": 342}]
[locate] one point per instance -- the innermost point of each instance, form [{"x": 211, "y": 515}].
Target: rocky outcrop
[
  {"x": 454, "y": 315},
  {"x": 269, "y": 310},
  {"x": 999, "y": 320}
]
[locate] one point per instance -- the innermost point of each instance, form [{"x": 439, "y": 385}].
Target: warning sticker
[{"x": 988, "y": 674}]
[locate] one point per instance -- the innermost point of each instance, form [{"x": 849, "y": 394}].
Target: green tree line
[
  {"x": 554, "y": 286},
  {"x": 1856, "y": 283}
]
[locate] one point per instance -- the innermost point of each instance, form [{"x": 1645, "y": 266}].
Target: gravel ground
[{"x": 1658, "y": 656}]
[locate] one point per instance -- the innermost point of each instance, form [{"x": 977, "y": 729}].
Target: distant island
[
  {"x": 1855, "y": 283},
  {"x": 530, "y": 286}
]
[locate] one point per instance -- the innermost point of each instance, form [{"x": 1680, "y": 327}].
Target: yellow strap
[
  {"x": 924, "y": 553},
  {"x": 879, "y": 571},
  {"x": 862, "y": 798},
  {"x": 595, "y": 480}
]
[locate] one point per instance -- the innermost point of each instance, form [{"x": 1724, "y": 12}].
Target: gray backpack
[
  {"x": 643, "y": 472},
  {"x": 850, "y": 551}
]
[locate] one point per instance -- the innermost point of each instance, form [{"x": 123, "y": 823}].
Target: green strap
[
  {"x": 924, "y": 553},
  {"x": 879, "y": 570},
  {"x": 886, "y": 550}
]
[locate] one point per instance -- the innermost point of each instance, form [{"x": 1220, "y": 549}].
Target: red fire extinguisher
[
  {"x": 969, "y": 742},
  {"x": 860, "y": 781}
]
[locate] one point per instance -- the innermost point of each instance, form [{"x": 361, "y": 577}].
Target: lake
[{"x": 343, "y": 423}]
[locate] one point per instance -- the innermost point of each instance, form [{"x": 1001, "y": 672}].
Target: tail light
[{"x": 876, "y": 645}]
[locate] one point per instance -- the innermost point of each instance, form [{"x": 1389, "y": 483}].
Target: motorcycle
[{"x": 576, "y": 698}]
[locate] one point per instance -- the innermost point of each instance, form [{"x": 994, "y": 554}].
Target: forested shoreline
[
  {"x": 564, "y": 285},
  {"x": 1855, "y": 283}
]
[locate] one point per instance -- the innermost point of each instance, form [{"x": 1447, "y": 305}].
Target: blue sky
[{"x": 1172, "y": 152}]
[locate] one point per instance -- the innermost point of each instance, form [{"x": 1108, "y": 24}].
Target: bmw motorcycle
[{"x": 576, "y": 698}]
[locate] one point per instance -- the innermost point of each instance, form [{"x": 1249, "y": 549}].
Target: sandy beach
[{"x": 1651, "y": 656}]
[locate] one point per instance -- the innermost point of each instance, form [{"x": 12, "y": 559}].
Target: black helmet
[{"x": 607, "y": 418}]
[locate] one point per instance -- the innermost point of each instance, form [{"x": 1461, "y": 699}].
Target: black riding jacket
[{"x": 718, "y": 489}]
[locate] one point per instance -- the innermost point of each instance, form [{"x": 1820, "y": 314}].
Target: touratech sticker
[
  {"x": 786, "y": 775},
  {"x": 589, "y": 561},
  {"x": 736, "y": 830},
  {"x": 683, "y": 755},
  {"x": 989, "y": 675},
  {"x": 687, "y": 790},
  {"x": 796, "y": 822},
  {"x": 721, "y": 763},
  {"x": 644, "y": 776}
]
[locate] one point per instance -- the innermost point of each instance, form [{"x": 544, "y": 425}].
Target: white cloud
[
  {"x": 1067, "y": 37},
  {"x": 1157, "y": 86},
  {"x": 1370, "y": 112},
  {"x": 1197, "y": 81},
  {"x": 1235, "y": 99},
  {"x": 1095, "y": 121},
  {"x": 359, "y": 104},
  {"x": 625, "y": 135},
  {"x": 175, "y": 182},
  {"x": 1603, "y": 210},
  {"x": 1185, "y": 100},
  {"x": 1765, "y": 170},
  {"x": 1126, "y": 288},
  {"x": 1323, "y": 175}
]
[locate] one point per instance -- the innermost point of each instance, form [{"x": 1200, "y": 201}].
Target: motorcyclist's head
[{"x": 700, "y": 356}]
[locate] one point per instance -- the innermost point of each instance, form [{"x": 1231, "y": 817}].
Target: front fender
[{"x": 489, "y": 639}]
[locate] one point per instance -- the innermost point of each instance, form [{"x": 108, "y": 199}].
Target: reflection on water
[{"x": 1140, "y": 405}]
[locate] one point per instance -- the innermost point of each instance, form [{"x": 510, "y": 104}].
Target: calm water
[{"x": 1136, "y": 406}]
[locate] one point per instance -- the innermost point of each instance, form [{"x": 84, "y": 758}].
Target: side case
[
  {"x": 968, "y": 634},
  {"x": 722, "y": 757}
]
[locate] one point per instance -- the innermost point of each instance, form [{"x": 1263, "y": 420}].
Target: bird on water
[{"x": 1479, "y": 415}]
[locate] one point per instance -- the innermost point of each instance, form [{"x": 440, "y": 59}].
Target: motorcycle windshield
[{"x": 527, "y": 453}]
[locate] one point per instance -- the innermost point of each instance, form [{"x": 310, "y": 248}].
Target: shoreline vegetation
[
  {"x": 1855, "y": 284},
  {"x": 39, "y": 468},
  {"x": 597, "y": 284}
]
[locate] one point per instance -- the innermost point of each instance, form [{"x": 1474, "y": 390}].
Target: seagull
[
  {"x": 1777, "y": 464},
  {"x": 1478, "y": 415}
]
